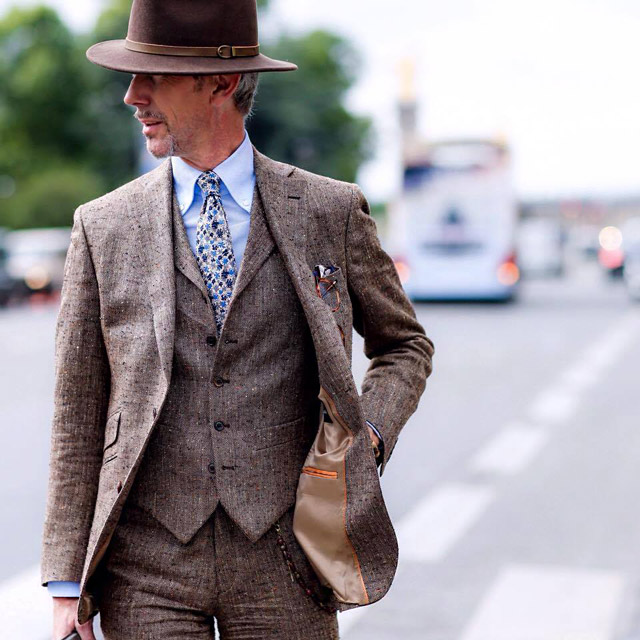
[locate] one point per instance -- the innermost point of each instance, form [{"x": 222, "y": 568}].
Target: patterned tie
[{"x": 214, "y": 251}]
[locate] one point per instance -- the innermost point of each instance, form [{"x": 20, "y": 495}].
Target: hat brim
[{"x": 112, "y": 54}]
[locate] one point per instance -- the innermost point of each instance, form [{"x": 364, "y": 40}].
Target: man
[{"x": 211, "y": 459}]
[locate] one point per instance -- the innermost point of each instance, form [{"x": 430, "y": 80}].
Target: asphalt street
[{"x": 514, "y": 487}]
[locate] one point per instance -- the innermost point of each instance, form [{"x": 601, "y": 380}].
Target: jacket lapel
[
  {"x": 259, "y": 245},
  {"x": 152, "y": 212},
  {"x": 283, "y": 196},
  {"x": 183, "y": 254}
]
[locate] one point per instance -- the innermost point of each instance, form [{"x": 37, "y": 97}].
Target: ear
[{"x": 223, "y": 87}]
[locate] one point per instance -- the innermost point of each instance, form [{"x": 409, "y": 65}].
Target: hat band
[{"x": 223, "y": 51}]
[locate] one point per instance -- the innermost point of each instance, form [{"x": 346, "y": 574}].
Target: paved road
[{"x": 514, "y": 487}]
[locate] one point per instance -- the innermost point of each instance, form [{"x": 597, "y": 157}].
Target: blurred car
[
  {"x": 632, "y": 273},
  {"x": 540, "y": 247},
  {"x": 583, "y": 240},
  {"x": 631, "y": 242},
  {"x": 36, "y": 258},
  {"x": 611, "y": 252},
  {"x": 8, "y": 285}
]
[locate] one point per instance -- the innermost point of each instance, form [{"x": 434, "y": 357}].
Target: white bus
[{"x": 457, "y": 223}]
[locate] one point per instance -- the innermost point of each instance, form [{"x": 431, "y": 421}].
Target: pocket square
[
  {"x": 326, "y": 277},
  {"x": 322, "y": 271}
]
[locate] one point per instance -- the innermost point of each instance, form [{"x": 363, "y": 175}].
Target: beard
[
  {"x": 162, "y": 148},
  {"x": 159, "y": 145},
  {"x": 170, "y": 142}
]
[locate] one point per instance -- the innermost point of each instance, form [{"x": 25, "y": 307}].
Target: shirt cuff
[
  {"x": 375, "y": 430},
  {"x": 62, "y": 589}
]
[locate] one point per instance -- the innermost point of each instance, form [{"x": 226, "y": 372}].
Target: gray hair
[
  {"x": 245, "y": 93},
  {"x": 243, "y": 96}
]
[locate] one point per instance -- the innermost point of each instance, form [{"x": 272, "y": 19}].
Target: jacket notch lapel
[
  {"x": 260, "y": 244},
  {"x": 283, "y": 198},
  {"x": 153, "y": 213}
]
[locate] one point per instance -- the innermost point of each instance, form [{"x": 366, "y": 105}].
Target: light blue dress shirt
[{"x": 238, "y": 180}]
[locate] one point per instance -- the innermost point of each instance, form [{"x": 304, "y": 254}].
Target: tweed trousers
[{"x": 152, "y": 586}]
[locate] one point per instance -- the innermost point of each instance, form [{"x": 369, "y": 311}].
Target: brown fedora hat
[{"x": 188, "y": 37}]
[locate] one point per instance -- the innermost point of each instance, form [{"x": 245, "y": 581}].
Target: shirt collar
[{"x": 236, "y": 173}]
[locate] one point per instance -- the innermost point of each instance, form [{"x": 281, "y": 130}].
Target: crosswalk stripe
[
  {"x": 530, "y": 602},
  {"x": 554, "y": 406},
  {"x": 438, "y": 521},
  {"x": 510, "y": 451}
]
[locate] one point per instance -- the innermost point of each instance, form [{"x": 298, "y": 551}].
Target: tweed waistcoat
[{"x": 228, "y": 407}]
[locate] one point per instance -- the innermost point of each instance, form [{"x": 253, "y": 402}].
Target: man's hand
[
  {"x": 65, "y": 621},
  {"x": 374, "y": 437}
]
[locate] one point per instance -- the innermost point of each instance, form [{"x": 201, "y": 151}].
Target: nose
[{"x": 139, "y": 91}]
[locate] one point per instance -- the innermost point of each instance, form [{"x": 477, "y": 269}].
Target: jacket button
[
  {"x": 211, "y": 467},
  {"x": 119, "y": 487},
  {"x": 219, "y": 425},
  {"x": 211, "y": 340}
]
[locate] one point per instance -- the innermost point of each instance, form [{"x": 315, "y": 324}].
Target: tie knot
[{"x": 209, "y": 182}]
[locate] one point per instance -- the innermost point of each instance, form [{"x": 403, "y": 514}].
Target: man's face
[{"x": 173, "y": 110}]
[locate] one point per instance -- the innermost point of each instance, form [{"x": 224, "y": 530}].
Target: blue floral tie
[{"x": 214, "y": 251}]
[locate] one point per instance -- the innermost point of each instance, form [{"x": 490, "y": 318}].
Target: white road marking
[
  {"x": 26, "y": 606},
  {"x": 436, "y": 523},
  {"x": 548, "y": 603},
  {"x": 510, "y": 451},
  {"x": 553, "y": 406},
  {"x": 580, "y": 377},
  {"x": 429, "y": 531},
  {"x": 559, "y": 402}
]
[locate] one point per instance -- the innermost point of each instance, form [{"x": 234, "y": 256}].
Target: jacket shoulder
[
  {"x": 116, "y": 200},
  {"x": 317, "y": 185},
  {"x": 324, "y": 186}
]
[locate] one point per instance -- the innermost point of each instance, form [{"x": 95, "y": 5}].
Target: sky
[{"x": 555, "y": 78}]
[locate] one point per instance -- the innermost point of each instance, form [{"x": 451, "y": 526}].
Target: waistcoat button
[
  {"x": 219, "y": 425},
  {"x": 211, "y": 467},
  {"x": 211, "y": 340},
  {"x": 218, "y": 381}
]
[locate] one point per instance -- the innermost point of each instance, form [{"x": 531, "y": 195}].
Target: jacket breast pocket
[
  {"x": 111, "y": 433},
  {"x": 331, "y": 289},
  {"x": 328, "y": 285}
]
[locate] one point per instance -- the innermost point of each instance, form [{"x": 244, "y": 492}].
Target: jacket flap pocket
[
  {"x": 265, "y": 437},
  {"x": 112, "y": 429}
]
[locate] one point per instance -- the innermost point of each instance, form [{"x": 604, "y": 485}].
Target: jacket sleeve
[
  {"x": 80, "y": 405},
  {"x": 394, "y": 341}
]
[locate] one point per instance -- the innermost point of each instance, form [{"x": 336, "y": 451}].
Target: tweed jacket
[{"x": 114, "y": 350}]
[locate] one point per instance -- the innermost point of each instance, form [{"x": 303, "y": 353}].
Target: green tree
[
  {"x": 114, "y": 140},
  {"x": 67, "y": 137},
  {"x": 300, "y": 116}
]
